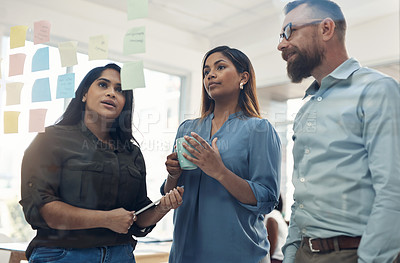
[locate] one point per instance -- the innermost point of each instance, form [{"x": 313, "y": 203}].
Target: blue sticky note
[
  {"x": 40, "y": 60},
  {"x": 66, "y": 86},
  {"x": 41, "y": 90}
]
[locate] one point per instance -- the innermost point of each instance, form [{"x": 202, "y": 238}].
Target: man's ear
[{"x": 327, "y": 29}]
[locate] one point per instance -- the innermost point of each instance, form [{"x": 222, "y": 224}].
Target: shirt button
[
  {"x": 30, "y": 184},
  {"x": 301, "y": 206},
  {"x": 302, "y": 179},
  {"x": 309, "y": 124},
  {"x": 307, "y": 151},
  {"x": 319, "y": 98},
  {"x": 304, "y": 231}
]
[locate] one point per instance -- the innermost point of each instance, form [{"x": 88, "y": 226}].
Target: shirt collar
[
  {"x": 85, "y": 130},
  {"x": 342, "y": 72}
]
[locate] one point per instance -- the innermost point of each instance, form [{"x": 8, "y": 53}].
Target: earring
[
  {"x": 83, "y": 99},
  {"x": 241, "y": 85}
]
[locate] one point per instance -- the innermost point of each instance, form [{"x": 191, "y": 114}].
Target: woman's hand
[
  {"x": 171, "y": 200},
  {"x": 206, "y": 157},
  {"x": 120, "y": 220},
  {"x": 173, "y": 167}
]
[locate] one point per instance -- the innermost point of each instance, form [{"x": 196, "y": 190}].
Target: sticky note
[
  {"x": 11, "y": 121},
  {"x": 134, "y": 41},
  {"x": 41, "y": 90},
  {"x": 37, "y": 118},
  {"x": 137, "y": 9},
  {"x": 40, "y": 60},
  {"x": 13, "y": 93},
  {"x": 16, "y": 64},
  {"x": 132, "y": 75},
  {"x": 17, "y": 36},
  {"x": 41, "y": 32},
  {"x": 66, "y": 86},
  {"x": 98, "y": 47},
  {"x": 68, "y": 53}
]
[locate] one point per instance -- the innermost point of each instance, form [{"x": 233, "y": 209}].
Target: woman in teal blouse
[{"x": 238, "y": 174}]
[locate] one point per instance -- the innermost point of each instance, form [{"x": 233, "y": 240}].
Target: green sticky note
[
  {"x": 137, "y": 9},
  {"x": 132, "y": 75},
  {"x": 134, "y": 41}
]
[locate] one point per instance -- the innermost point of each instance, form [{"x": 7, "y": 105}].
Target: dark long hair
[
  {"x": 121, "y": 128},
  {"x": 248, "y": 101}
]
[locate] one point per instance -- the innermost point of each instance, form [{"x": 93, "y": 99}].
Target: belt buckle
[{"x": 310, "y": 245}]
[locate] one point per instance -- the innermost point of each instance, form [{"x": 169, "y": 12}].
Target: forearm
[
  {"x": 237, "y": 186},
  {"x": 62, "y": 216},
  {"x": 151, "y": 216},
  {"x": 170, "y": 183}
]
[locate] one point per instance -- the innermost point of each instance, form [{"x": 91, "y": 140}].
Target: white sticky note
[
  {"x": 98, "y": 47},
  {"x": 68, "y": 53},
  {"x": 13, "y": 90}
]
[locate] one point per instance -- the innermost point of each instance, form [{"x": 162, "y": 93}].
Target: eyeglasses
[{"x": 289, "y": 28}]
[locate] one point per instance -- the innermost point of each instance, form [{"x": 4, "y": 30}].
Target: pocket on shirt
[{"x": 82, "y": 183}]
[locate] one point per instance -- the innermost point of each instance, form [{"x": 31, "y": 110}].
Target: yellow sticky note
[
  {"x": 41, "y": 32},
  {"x": 18, "y": 36},
  {"x": 98, "y": 47},
  {"x": 68, "y": 53},
  {"x": 132, "y": 75},
  {"x": 11, "y": 121},
  {"x": 17, "y": 62},
  {"x": 137, "y": 9},
  {"x": 37, "y": 119},
  {"x": 13, "y": 91},
  {"x": 134, "y": 41}
]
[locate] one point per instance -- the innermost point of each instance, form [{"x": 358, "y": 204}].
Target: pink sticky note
[
  {"x": 17, "y": 64},
  {"x": 37, "y": 119},
  {"x": 41, "y": 32}
]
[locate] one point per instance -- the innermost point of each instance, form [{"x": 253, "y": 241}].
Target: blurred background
[{"x": 178, "y": 33}]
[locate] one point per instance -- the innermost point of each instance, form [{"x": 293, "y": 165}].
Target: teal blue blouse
[{"x": 212, "y": 225}]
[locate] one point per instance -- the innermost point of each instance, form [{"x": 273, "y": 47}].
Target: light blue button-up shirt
[
  {"x": 347, "y": 163},
  {"x": 213, "y": 226}
]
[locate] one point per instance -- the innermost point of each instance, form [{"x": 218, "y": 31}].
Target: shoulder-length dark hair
[
  {"x": 248, "y": 101},
  {"x": 121, "y": 128}
]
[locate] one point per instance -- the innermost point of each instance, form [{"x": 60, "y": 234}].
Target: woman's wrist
[{"x": 173, "y": 177}]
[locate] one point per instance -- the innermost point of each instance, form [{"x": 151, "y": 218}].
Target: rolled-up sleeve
[
  {"x": 40, "y": 177},
  {"x": 264, "y": 167}
]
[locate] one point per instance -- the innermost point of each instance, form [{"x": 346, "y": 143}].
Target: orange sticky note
[
  {"x": 11, "y": 121},
  {"x": 17, "y": 64},
  {"x": 18, "y": 36},
  {"x": 41, "y": 32},
  {"x": 37, "y": 119},
  {"x": 13, "y": 91}
]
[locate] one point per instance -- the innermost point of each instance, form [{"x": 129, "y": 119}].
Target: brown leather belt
[{"x": 323, "y": 245}]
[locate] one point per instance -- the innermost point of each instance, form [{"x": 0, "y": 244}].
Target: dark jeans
[
  {"x": 304, "y": 255},
  {"x": 107, "y": 254}
]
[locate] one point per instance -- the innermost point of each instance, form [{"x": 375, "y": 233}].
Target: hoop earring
[{"x": 241, "y": 85}]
